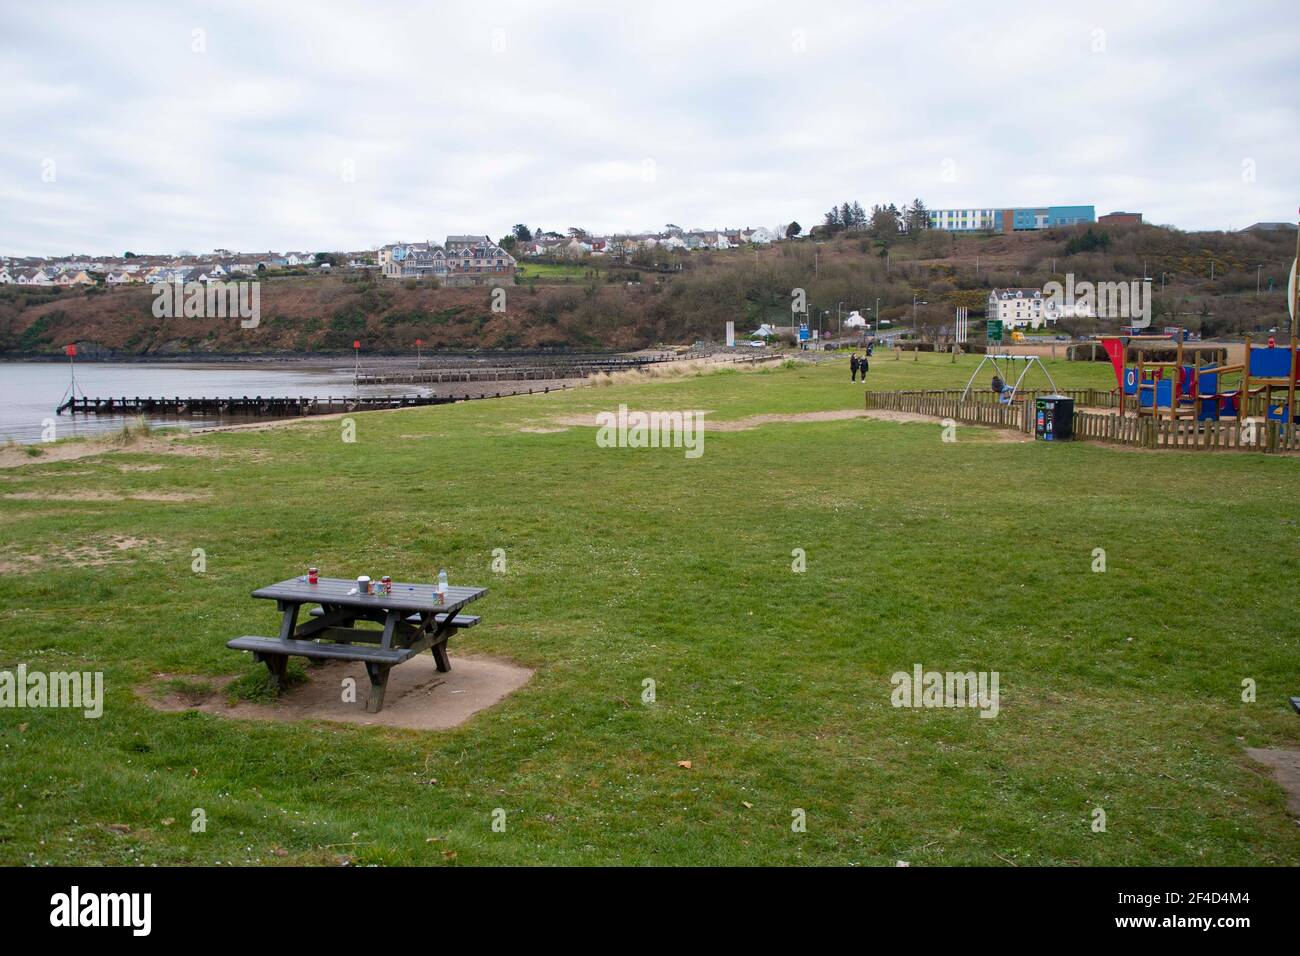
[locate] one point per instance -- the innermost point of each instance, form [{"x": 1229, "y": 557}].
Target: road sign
[{"x": 993, "y": 330}]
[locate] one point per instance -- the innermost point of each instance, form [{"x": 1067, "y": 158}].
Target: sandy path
[
  {"x": 13, "y": 456},
  {"x": 734, "y": 425},
  {"x": 757, "y": 421}
]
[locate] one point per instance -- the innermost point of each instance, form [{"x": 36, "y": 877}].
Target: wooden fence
[
  {"x": 1145, "y": 432},
  {"x": 1092, "y": 397},
  {"x": 1256, "y": 406}
]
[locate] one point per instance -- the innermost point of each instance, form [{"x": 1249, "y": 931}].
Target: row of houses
[
  {"x": 459, "y": 261},
  {"x": 45, "y": 277},
  {"x": 66, "y": 277},
  {"x": 121, "y": 270},
  {"x": 553, "y": 244}
]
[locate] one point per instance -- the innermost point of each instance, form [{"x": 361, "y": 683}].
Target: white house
[
  {"x": 763, "y": 235},
  {"x": 1020, "y": 307},
  {"x": 855, "y": 321}
]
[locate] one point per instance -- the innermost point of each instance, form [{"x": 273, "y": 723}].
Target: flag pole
[{"x": 1295, "y": 314}]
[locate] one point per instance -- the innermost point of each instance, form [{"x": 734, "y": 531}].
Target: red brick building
[{"x": 1121, "y": 219}]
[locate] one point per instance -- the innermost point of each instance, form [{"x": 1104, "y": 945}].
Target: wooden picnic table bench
[{"x": 413, "y": 620}]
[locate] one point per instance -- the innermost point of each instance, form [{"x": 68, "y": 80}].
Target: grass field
[
  {"x": 552, "y": 270},
  {"x": 1119, "y": 690}
]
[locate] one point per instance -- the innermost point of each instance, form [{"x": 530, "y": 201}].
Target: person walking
[
  {"x": 853, "y": 366},
  {"x": 862, "y": 367}
]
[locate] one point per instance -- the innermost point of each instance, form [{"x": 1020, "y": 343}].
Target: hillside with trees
[{"x": 1216, "y": 283}]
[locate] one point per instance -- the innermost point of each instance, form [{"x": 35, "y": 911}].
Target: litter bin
[{"x": 1053, "y": 418}]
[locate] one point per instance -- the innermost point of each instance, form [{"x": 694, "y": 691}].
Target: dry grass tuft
[
  {"x": 670, "y": 370},
  {"x": 132, "y": 432}
]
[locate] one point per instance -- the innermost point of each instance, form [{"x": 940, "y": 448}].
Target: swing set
[{"x": 1007, "y": 393}]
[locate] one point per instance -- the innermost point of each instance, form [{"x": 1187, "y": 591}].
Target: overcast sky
[{"x": 286, "y": 126}]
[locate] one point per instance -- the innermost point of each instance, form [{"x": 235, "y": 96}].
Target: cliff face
[{"x": 328, "y": 313}]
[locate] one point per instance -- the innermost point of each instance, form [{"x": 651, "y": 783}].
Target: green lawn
[
  {"x": 1119, "y": 690},
  {"x": 551, "y": 270}
]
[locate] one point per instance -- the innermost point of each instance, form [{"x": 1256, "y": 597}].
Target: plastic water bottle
[{"x": 442, "y": 584}]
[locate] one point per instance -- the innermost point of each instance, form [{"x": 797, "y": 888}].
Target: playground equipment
[
  {"x": 1167, "y": 378},
  {"x": 1007, "y": 393}
]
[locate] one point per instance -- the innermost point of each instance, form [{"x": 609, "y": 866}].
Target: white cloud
[{"x": 469, "y": 119}]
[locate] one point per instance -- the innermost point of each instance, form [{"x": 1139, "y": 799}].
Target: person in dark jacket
[
  {"x": 862, "y": 367},
  {"x": 853, "y": 366}
]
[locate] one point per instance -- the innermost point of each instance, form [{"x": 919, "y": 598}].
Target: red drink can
[
  {"x": 387, "y": 582},
  {"x": 313, "y": 575}
]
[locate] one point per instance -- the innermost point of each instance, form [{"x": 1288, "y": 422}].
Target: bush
[{"x": 1089, "y": 241}]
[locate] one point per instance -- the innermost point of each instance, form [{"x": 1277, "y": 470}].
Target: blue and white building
[{"x": 1016, "y": 219}]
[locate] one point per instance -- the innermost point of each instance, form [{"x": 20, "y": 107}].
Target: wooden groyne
[
  {"x": 259, "y": 406},
  {"x": 246, "y": 406}
]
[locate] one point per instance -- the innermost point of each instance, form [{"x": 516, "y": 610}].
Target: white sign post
[
  {"x": 731, "y": 335},
  {"x": 1290, "y": 290}
]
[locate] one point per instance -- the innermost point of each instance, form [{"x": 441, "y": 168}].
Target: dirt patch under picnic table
[
  {"x": 1286, "y": 771},
  {"x": 419, "y": 697}
]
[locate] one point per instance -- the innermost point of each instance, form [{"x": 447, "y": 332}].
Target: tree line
[{"x": 883, "y": 222}]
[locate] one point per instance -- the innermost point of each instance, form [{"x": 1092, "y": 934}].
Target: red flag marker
[{"x": 70, "y": 350}]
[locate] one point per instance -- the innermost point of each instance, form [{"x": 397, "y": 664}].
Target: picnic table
[{"x": 412, "y": 616}]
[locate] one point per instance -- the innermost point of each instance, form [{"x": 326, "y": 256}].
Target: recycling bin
[{"x": 1053, "y": 418}]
